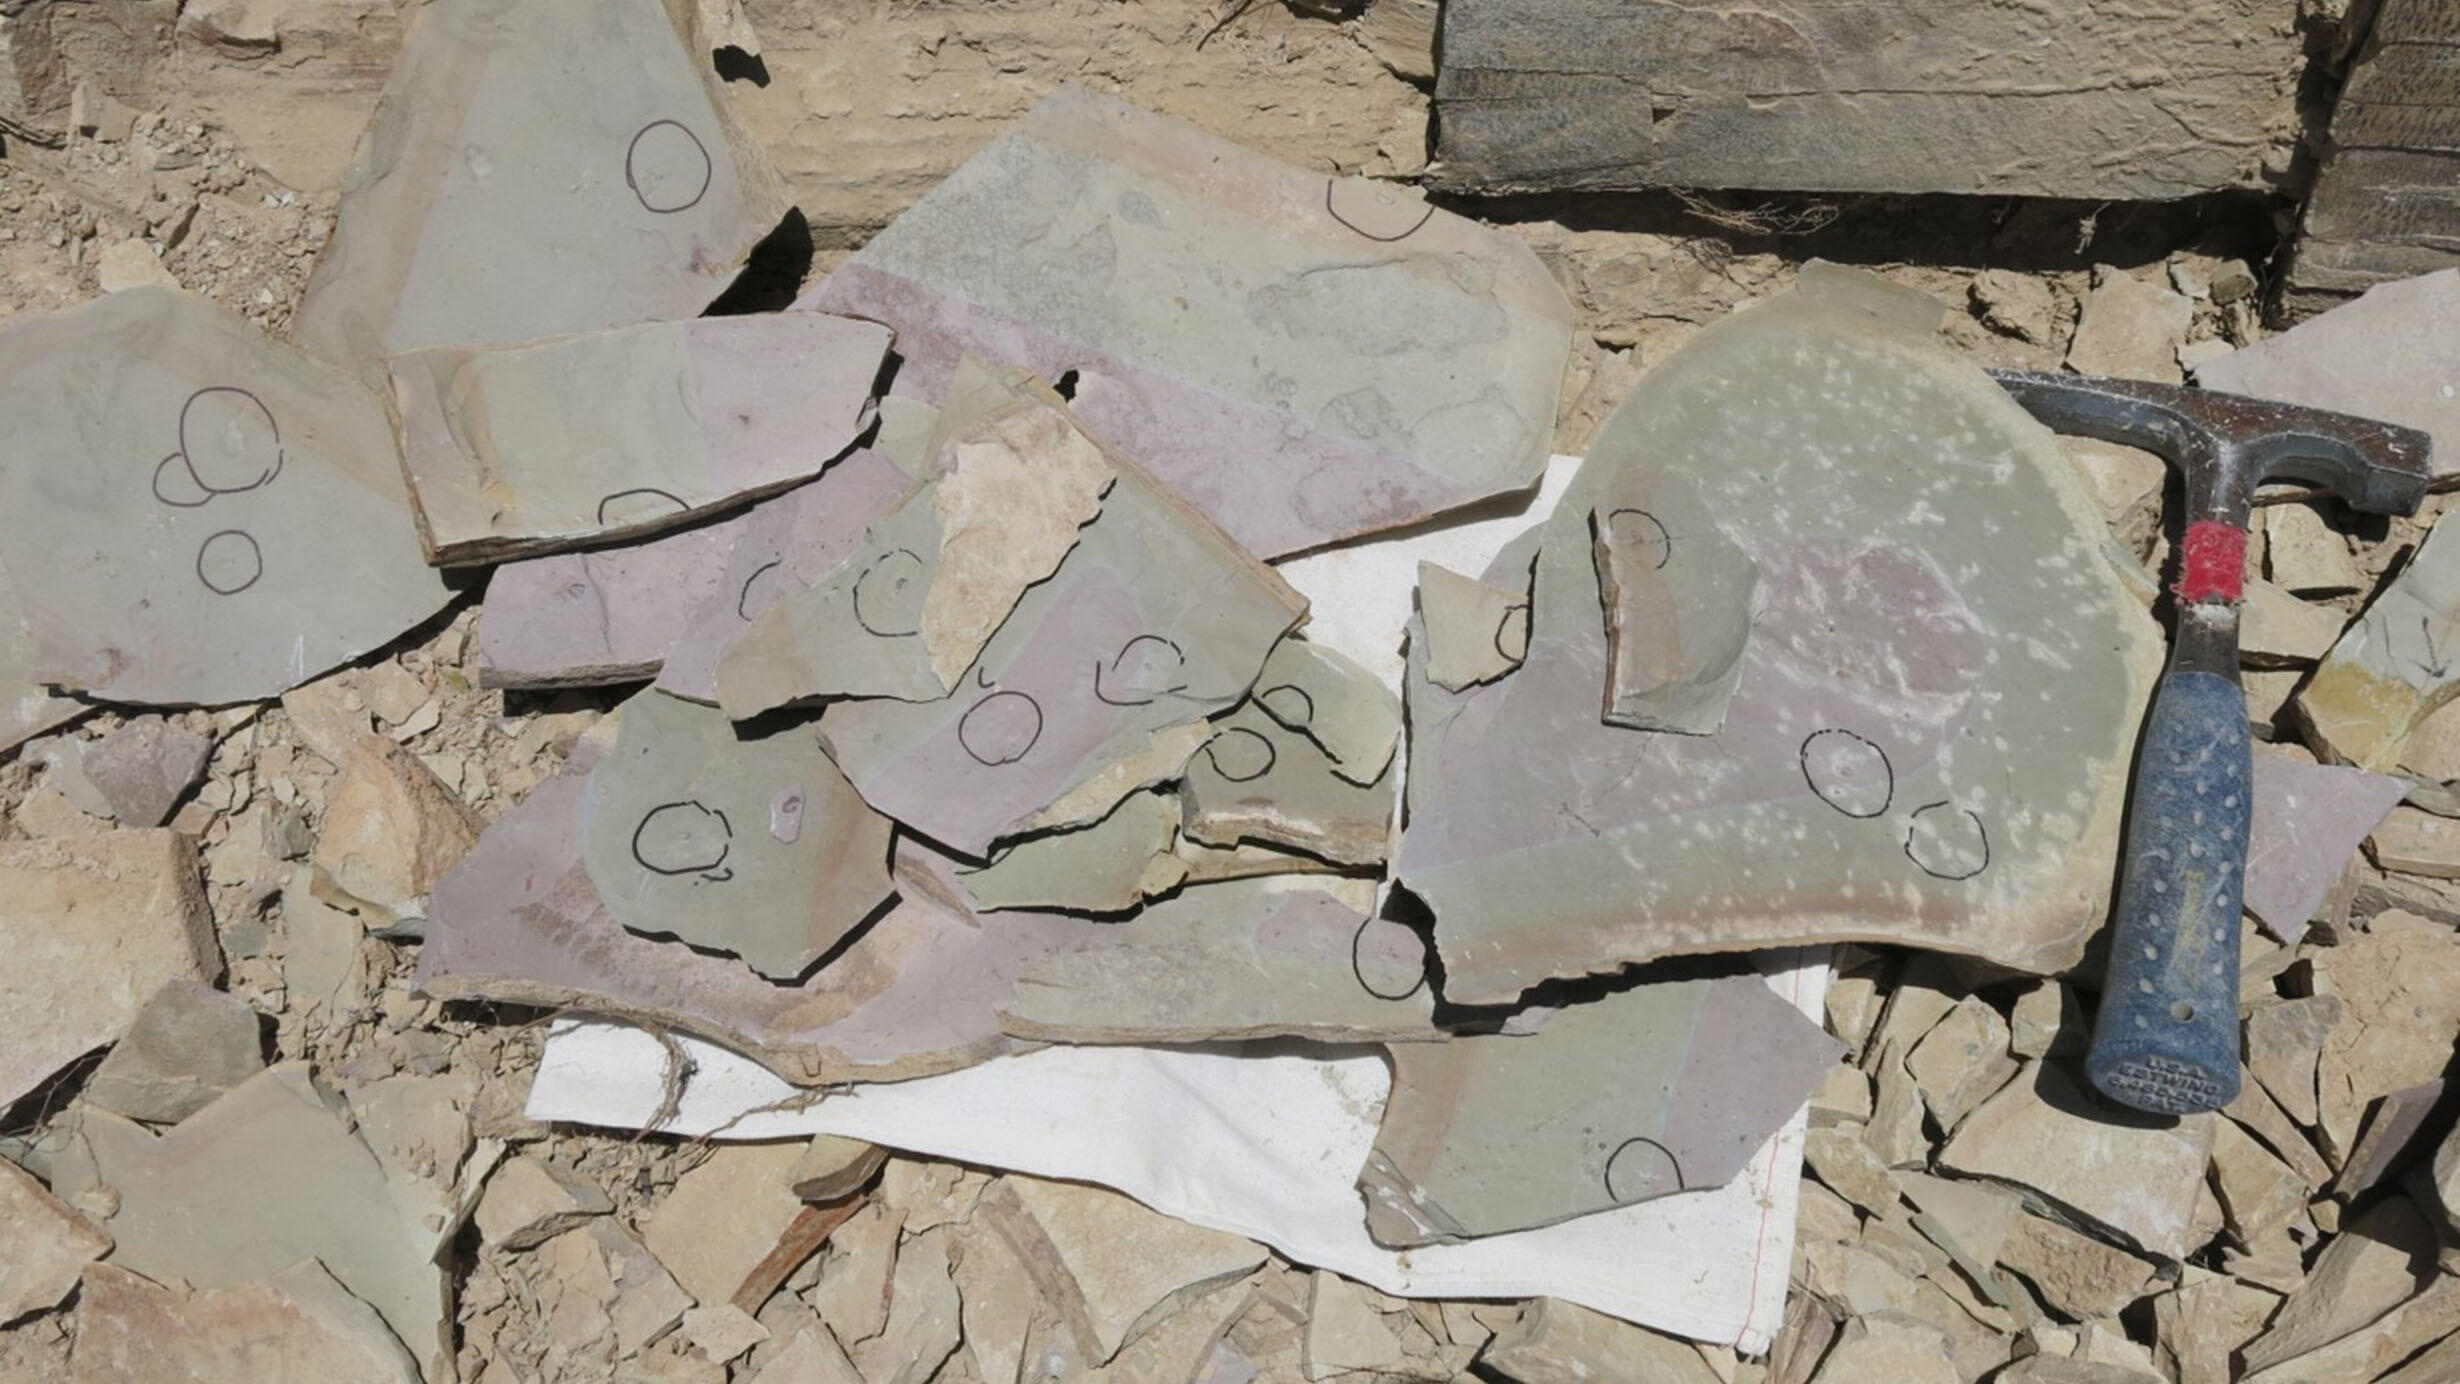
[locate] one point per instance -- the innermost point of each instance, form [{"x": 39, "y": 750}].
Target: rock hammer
[{"x": 2166, "y": 1038}]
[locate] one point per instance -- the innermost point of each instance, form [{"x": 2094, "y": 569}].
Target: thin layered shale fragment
[
  {"x": 506, "y": 190},
  {"x": 192, "y": 512},
  {"x": 1306, "y": 357},
  {"x": 586, "y": 440},
  {"x": 1927, "y": 741}
]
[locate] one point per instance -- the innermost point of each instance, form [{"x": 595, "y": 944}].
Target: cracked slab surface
[
  {"x": 513, "y": 451},
  {"x": 1929, "y": 738},
  {"x": 1678, "y": 611},
  {"x": 192, "y": 512},
  {"x": 1320, "y": 693},
  {"x": 2395, "y": 664},
  {"x": 735, "y": 841},
  {"x": 661, "y": 608},
  {"x": 1258, "y": 782},
  {"x": 1411, "y": 359},
  {"x": 507, "y": 191}
]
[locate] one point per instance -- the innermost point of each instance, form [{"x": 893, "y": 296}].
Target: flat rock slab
[
  {"x": 577, "y": 441},
  {"x": 267, "y": 1176},
  {"x": 1347, "y": 711},
  {"x": 1351, "y": 359},
  {"x": 93, "y": 926},
  {"x": 1108, "y": 867},
  {"x": 1474, "y": 631},
  {"x": 191, "y": 512},
  {"x": 1113, "y": 1268},
  {"x": 49, "y": 1244},
  {"x": 1155, "y": 620},
  {"x": 296, "y": 1324},
  {"x": 1013, "y": 481},
  {"x": 745, "y": 843},
  {"x": 1494, "y": 1133},
  {"x": 143, "y": 768},
  {"x": 2395, "y": 664},
  {"x": 189, "y": 1044},
  {"x": 1257, "y": 958},
  {"x": 2137, "y": 1177},
  {"x": 1928, "y": 738},
  {"x": 506, "y": 190},
  {"x": 1594, "y": 95},
  {"x": 920, "y": 990},
  {"x": 662, "y": 607},
  {"x": 2391, "y": 354},
  {"x": 2309, "y": 820}
]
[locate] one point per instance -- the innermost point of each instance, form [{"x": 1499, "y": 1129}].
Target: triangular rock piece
[
  {"x": 1153, "y": 622},
  {"x": 749, "y": 844},
  {"x": 192, "y": 512},
  {"x": 267, "y": 1176},
  {"x": 905, "y": 615},
  {"x": 1928, "y": 740},
  {"x": 507, "y": 190},
  {"x": 513, "y": 451},
  {"x": 1475, "y": 632},
  {"x": 1257, "y": 781},
  {"x": 2395, "y": 664},
  {"x": 2309, "y": 819},
  {"x": 1351, "y": 359},
  {"x": 1494, "y": 1133}
]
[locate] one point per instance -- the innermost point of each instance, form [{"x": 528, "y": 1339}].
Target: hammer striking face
[{"x": 2166, "y": 1040}]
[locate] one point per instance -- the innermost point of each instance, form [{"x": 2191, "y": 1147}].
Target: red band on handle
[{"x": 2212, "y": 563}]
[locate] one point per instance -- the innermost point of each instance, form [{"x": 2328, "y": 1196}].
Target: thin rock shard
[
  {"x": 748, "y": 844},
  {"x": 584, "y": 440},
  {"x": 2394, "y": 665},
  {"x": 1153, "y": 622},
  {"x": 1109, "y": 867},
  {"x": 191, "y": 512},
  {"x": 1928, "y": 739},
  {"x": 1351, "y": 359},
  {"x": 506, "y": 190},
  {"x": 1679, "y": 597},
  {"x": 1259, "y": 782},
  {"x": 905, "y": 615},
  {"x": 1495, "y": 1133},
  {"x": 1252, "y": 959}
]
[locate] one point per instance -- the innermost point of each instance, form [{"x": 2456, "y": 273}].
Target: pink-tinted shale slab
[
  {"x": 1305, "y": 357},
  {"x": 665, "y": 606},
  {"x": 2309, "y": 820}
]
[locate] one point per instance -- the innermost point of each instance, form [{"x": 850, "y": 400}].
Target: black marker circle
[
  {"x": 674, "y": 157},
  {"x": 1506, "y": 636},
  {"x": 1001, "y": 728},
  {"x": 1335, "y": 213},
  {"x": 1639, "y": 1168},
  {"x": 1381, "y": 976},
  {"x": 669, "y": 497},
  {"x": 226, "y": 424},
  {"x": 690, "y": 835},
  {"x": 229, "y": 562},
  {"x": 1848, "y": 773},
  {"x": 1145, "y": 669},
  {"x": 1305, "y": 714},
  {"x": 1947, "y": 842},
  {"x": 1242, "y": 754},
  {"x": 743, "y": 598},
  {"x": 887, "y": 596},
  {"x": 1648, "y": 534}
]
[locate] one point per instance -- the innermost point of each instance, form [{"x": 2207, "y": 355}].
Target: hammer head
[{"x": 2228, "y": 444}]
